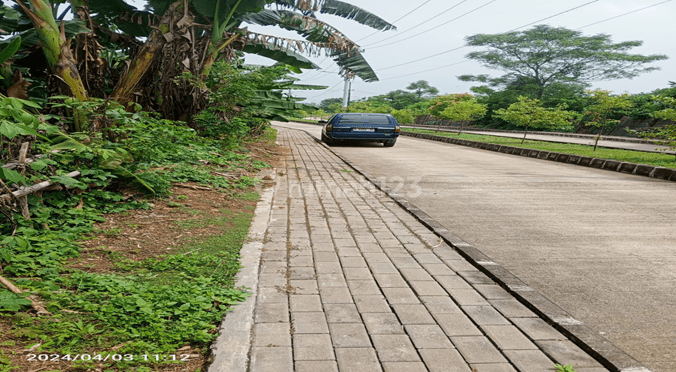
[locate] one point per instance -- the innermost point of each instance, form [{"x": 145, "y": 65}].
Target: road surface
[{"x": 600, "y": 244}]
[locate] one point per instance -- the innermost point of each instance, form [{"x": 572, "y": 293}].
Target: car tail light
[
  {"x": 329, "y": 127},
  {"x": 397, "y": 129}
]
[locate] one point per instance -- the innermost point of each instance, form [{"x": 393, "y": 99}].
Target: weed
[
  {"x": 566, "y": 368},
  {"x": 248, "y": 196},
  {"x": 182, "y": 197},
  {"x": 112, "y": 232},
  {"x": 5, "y": 363},
  {"x": 346, "y": 170},
  {"x": 174, "y": 205}
]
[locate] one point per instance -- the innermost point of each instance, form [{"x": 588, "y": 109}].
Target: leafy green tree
[
  {"x": 328, "y": 103},
  {"x": 420, "y": 108},
  {"x": 603, "y": 111},
  {"x": 403, "y": 116},
  {"x": 668, "y": 113},
  {"x": 528, "y": 113},
  {"x": 440, "y": 103},
  {"x": 464, "y": 108},
  {"x": 369, "y": 107},
  {"x": 668, "y": 131},
  {"x": 545, "y": 56},
  {"x": 399, "y": 99},
  {"x": 646, "y": 104},
  {"x": 422, "y": 89}
]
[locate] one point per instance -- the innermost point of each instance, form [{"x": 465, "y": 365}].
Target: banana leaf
[
  {"x": 207, "y": 8},
  {"x": 350, "y": 63},
  {"x": 355, "y": 64},
  {"x": 108, "y": 13},
  {"x": 337, "y": 8},
  {"x": 310, "y": 28},
  {"x": 9, "y": 51},
  {"x": 307, "y": 87},
  {"x": 349, "y": 11},
  {"x": 285, "y": 56}
]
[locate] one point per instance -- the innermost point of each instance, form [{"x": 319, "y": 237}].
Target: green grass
[
  {"x": 649, "y": 158},
  {"x": 248, "y": 196}
]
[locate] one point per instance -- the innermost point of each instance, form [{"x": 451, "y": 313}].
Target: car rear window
[{"x": 364, "y": 119}]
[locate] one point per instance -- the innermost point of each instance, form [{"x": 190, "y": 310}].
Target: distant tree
[
  {"x": 422, "y": 89},
  {"x": 668, "y": 113},
  {"x": 420, "y": 108},
  {"x": 603, "y": 111},
  {"x": 528, "y": 113},
  {"x": 326, "y": 104},
  {"x": 404, "y": 116},
  {"x": 464, "y": 108},
  {"x": 366, "y": 106},
  {"x": 335, "y": 107},
  {"x": 666, "y": 133},
  {"x": 440, "y": 103},
  {"x": 399, "y": 99},
  {"x": 545, "y": 56}
]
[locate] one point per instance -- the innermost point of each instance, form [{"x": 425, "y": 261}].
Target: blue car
[{"x": 361, "y": 127}]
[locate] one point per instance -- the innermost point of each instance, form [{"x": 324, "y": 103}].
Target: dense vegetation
[{"x": 103, "y": 108}]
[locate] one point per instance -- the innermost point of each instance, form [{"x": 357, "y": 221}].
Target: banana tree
[
  {"x": 55, "y": 44},
  {"x": 183, "y": 39},
  {"x": 204, "y": 31}
]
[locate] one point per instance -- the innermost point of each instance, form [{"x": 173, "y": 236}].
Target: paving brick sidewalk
[{"x": 349, "y": 281}]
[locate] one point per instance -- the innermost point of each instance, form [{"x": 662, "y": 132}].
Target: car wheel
[
  {"x": 327, "y": 140},
  {"x": 389, "y": 143}
]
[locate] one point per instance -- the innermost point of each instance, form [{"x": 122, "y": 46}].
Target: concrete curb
[
  {"x": 644, "y": 170},
  {"x": 605, "y": 352},
  {"x": 558, "y": 134},
  {"x": 230, "y": 351}
]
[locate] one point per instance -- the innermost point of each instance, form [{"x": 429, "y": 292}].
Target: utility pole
[
  {"x": 346, "y": 92},
  {"x": 349, "y": 93}
]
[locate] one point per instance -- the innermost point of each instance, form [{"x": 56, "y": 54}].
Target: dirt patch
[{"x": 136, "y": 235}]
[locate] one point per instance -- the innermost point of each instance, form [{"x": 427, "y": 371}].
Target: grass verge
[{"x": 649, "y": 158}]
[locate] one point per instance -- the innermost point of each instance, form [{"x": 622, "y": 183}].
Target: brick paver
[{"x": 350, "y": 281}]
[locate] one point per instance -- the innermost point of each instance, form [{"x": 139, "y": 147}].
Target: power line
[
  {"x": 633, "y": 11},
  {"x": 400, "y": 18},
  {"x": 422, "y": 59},
  {"x": 464, "y": 46},
  {"x": 422, "y": 23},
  {"x": 591, "y": 24},
  {"x": 555, "y": 15},
  {"x": 326, "y": 91},
  {"x": 318, "y": 64},
  {"x": 432, "y": 69},
  {"x": 445, "y": 23},
  {"x": 321, "y": 76}
]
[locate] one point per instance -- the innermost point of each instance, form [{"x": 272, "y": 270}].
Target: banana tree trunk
[
  {"x": 91, "y": 66},
  {"x": 56, "y": 48},
  {"x": 147, "y": 56},
  {"x": 213, "y": 50}
]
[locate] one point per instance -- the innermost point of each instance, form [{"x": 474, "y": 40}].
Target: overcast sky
[{"x": 654, "y": 26}]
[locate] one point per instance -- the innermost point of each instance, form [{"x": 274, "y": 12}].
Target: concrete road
[
  {"x": 582, "y": 140},
  {"x": 600, "y": 244}
]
